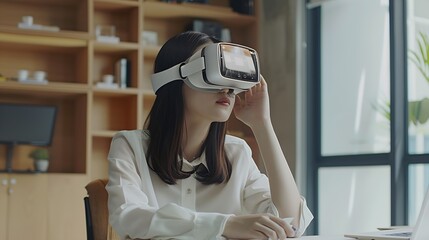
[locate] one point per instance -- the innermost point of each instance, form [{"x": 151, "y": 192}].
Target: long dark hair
[{"x": 166, "y": 120}]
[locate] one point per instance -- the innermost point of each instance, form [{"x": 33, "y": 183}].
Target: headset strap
[{"x": 177, "y": 72}]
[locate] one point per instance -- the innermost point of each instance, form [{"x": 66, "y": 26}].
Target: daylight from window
[
  {"x": 355, "y": 113},
  {"x": 355, "y": 77},
  {"x": 418, "y": 101}
]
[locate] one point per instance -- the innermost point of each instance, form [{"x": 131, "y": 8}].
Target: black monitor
[{"x": 26, "y": 124}]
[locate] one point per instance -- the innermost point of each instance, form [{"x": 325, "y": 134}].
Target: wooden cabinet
[
  {"x": 65, "y": 214},
  {"x": 27, "y": 195},
  {"x": 88, "y": 115},
  {"x": 24, "y": 198},
  {"x": 42, "y": 206}
]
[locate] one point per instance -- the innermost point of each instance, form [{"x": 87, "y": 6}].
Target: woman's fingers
[
  {"x": 266, "y": 231},
  {"x": 272, "y": 229},
  {"x": 259, "y": 226},
  {"x": 238, "y": 102},
  {"x": 290, "y": 232}
]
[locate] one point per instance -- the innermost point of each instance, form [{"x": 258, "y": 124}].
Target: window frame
[{"x": 398, "y": 158}]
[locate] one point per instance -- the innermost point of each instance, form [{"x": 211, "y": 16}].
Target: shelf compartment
[
  {"x": 104, "y": 63},
  {"x": 123, "y": 15},
  {"x": 69, "y": 143},
  {"x": 70, "y": 15},
  {"x": 169, "y": 19},
  {"x": 114, "y": 113},
  {"x": 191, "y": 10},
  {"x": 68, "y": 148},
  {"x": 60, "y": 66},
  {"x": 166, "y": 28}
]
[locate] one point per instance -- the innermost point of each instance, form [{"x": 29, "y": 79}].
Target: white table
[{"x": 327, "y": 237}]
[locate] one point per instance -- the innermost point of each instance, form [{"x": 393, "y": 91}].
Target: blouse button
[{"x": 188, "y": 191}]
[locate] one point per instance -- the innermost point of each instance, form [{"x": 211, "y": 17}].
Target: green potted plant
[{"x": 41, "y": 159}]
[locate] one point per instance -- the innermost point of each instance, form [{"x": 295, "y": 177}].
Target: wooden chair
[{"x": 96, "y": 212}]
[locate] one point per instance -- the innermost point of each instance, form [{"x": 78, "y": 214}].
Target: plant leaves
[
  {"x": 423, "y": 111},
  {"x": 421, "y": 57},
  {"x": 418, "y": 111}
]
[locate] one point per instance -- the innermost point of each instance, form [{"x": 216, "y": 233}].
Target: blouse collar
[{"x": 189, "y": 166}]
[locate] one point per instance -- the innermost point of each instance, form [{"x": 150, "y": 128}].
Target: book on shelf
[{"x": 123, "y": 73}]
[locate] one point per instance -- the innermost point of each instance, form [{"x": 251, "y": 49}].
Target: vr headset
[{"x": 215, "y": 67}]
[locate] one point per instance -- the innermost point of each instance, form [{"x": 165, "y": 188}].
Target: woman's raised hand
[{"x": 253, "y": 108}]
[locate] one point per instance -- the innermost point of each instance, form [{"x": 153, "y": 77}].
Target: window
[
  {"x": 368, "y": 127},
  {"x": 418, "y": 101},
  {"x": 355, "y": 64}
]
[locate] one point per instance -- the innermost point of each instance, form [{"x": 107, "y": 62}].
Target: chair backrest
[
  {"x": 97, "y": 214},
  {"x": 89, "y": 228}
]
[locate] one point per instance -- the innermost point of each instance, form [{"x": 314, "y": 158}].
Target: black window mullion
[
  {"x": 313, "y": 113},
  {"x": 399, "y": 117},
  {"x": 415, "y": 159},
  {"x": 355, "y": 160}
]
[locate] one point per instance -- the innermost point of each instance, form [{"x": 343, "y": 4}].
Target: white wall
[{"x": 278, "y": 66}]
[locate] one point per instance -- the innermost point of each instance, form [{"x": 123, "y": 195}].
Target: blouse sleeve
[
  {"x": 133, "y": 216},
  {"x": 257, "y": 198}
]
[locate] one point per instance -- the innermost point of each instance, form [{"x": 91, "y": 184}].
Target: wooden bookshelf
[{"x": 88, "y": 115}]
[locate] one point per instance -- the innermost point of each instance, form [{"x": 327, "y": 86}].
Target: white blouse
[{"x": 142, "y": 206}]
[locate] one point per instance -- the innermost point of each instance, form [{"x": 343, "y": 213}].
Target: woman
[{"x": 184, "y": 178}]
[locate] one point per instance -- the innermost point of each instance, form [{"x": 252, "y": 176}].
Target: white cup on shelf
[
  {"x": 108, "y": 79},
  {"x": 39, "y": 75},
  {"x": 22, "y": 74},
  {"x": 27, "y": 20}
]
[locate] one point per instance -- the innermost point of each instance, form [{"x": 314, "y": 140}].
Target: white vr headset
[{"x": 214, "y": 67}]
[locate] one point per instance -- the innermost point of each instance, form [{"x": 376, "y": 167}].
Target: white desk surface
[{"x": 327, "y": 237}]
